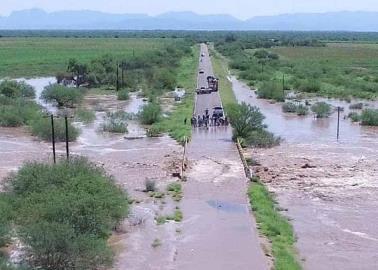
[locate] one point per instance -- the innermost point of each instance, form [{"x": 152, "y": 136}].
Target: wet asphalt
[{"x": 219, "y": 228}]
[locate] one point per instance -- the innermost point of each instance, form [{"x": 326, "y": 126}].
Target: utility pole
[
  {"x": 53, "y": 137},
  {"x": 67, "y": 139},
  {"x": 117, "y": 83},
  {"x": 122, "y": 75},
  {"x": 338, "y": 122},
  {"x": 283, "y": 84}
]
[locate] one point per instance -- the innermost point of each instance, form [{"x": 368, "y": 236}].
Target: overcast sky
[{"x": 239, "y": 8}]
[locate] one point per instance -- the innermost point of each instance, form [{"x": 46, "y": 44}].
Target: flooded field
[
  {"x": 131, "y": 158},
  {"x": 329, "y": 187}
]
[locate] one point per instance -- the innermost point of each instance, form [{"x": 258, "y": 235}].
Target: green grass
[
  {"x": 220, "y": 69},
  {"x": 339, "y": 70},
  {"x": 28, "y": 57},
  {"x": 275, "y": 227},
  {"x": 175, "y": 190},
  {"x": 85, "y": 116},
  {"x": 339, "y": 53},
  {"x": 174, "y": 124}
]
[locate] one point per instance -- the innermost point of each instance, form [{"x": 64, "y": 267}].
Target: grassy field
[
  {"x": 275, "y": 227},
  {"x": 28, "y": 57},
  {"x": 174, "y": 123},
  {"x": 225, "y": 86},
  {"x": 342, "y": 54},
  {"x": 341, "y": 70}
]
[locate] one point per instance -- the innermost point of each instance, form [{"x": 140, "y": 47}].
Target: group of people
[{"x": 206, "y": 121}]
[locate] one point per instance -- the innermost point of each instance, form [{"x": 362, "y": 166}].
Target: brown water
[
  {"x": 333, "y": 202},
  {"x": 131, "y": 158}
]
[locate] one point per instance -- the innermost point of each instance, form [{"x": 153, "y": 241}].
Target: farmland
[
  {"x": 29, "y": 57},
  {"x": 338, "y": 69}
]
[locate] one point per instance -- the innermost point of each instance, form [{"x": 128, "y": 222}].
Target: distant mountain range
[{"x": 89, "y": 20}]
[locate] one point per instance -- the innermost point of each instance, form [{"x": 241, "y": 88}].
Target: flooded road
[
  {"x": 329, "y": 187},
  {"x": 219, "y": 231}
]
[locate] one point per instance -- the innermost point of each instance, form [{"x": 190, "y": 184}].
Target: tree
[
  {"x": 78, "y": 70},
  {"x": 150, "y": 113},
  {"x": 245, "y": 119},
  {"x": 62, "y": 95}
]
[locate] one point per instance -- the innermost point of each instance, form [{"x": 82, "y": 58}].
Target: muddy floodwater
[
  {"x": 328, "y": 187},
  {"x": 131, "y": 158}
]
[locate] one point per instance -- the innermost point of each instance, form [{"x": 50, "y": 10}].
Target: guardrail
[{"x": 247, "y": 171}]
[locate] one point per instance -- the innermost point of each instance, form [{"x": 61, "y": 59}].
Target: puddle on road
[
  {"x": 228, "y": 207},
  {"x": 333, "y": 202}
]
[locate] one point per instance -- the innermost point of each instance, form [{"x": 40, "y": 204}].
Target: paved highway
[
  {"x": 205, "y": 101},
  {"x": 218, "y": 231}
]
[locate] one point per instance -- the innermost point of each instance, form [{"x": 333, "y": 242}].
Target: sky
[{"x": 242, "y": 9}]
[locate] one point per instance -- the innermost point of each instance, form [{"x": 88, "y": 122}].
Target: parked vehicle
[
  {"x": 203, "y": 90},
  {"x": 218, "y": 112}
]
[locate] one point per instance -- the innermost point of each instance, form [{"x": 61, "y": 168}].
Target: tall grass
[
  {"x": 174, "y": 123},
  {"x": 275, "y": 227}
]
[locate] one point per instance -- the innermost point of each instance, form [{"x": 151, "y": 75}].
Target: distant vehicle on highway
[
  {"x": 201, "y": 71},
  {"x": 203, "y": 90},
  {"x": 218, "y": 112},
  {"x": 202, "y": 54}
]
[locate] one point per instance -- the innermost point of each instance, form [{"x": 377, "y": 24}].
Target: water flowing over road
[
  {"x": 329, "y": 187},
  {"x": 219, "y": 230}
]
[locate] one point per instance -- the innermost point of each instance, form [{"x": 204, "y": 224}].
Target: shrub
[
  {"x": 150, "y": 185},
  {"x": 62, "y": 95},
  {"x": 245, "y": 119},
  {"x": 41, "y": 128},
  {"x": 17, "y": 112},
  {"x": 14, "y": 89},
  {"x": 310, "y": 86},
  {"x": 27, "y": 91},
  {"x": 5, "y": 220},
  {"x": 355, "y": 117},
  {"x": 289, "y": 107},
  {"x": 302, "y": 110},
  {"x": 85, "y": 116},
  {"x": 369, "y": 117},
  {"x": 262, "y": 139},
  {"x": 115, "y": 122},
  {"x": 356, "y": 106},
  {"x": 271, "y": 90},
  {"x": 123, "y": 94},
  {"x": 154, "y": 131},
  {"x": 65, "y": 213},
  {"x": 321, "y": 109},
  {"x": 150, "y": 113}
]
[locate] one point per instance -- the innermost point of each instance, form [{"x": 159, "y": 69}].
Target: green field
[
  {"x": 28, "y": 57},
  {"x": 338, "y": 69},
  {"x": 343, "y": 54}
]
